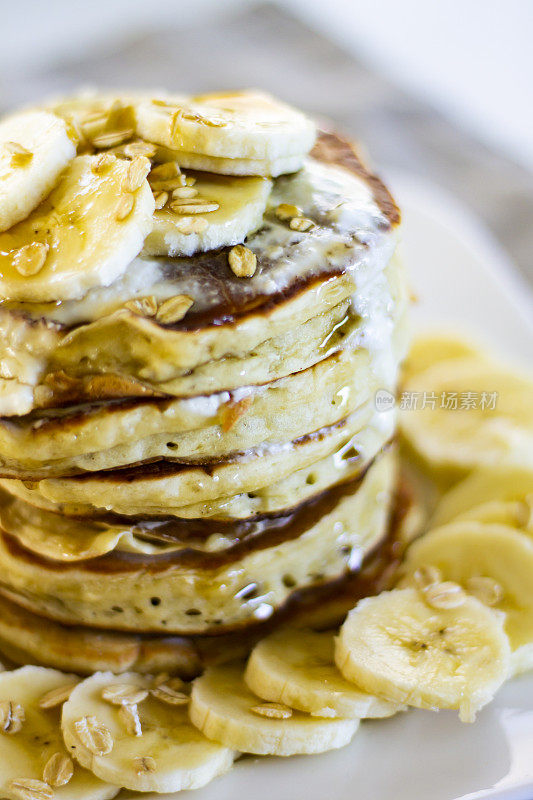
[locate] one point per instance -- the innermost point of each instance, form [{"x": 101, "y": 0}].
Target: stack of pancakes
[{"x": 173, "y": 485}]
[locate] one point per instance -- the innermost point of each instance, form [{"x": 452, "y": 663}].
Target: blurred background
[{"x": 439, "y": 90}]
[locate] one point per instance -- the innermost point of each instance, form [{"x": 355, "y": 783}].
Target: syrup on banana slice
[
  {"x": 35, "y": 148},
  {"x": 84, "y": 235},
  {"x": 229, "y": 208},
  {"x": 233, "y": 125}
]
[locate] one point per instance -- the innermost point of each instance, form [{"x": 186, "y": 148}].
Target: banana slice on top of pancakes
[
  {"x": 240, "y": 133},
  {"x": 85, "y": 234},
  {"x": 35, "y": 148},
  {"x": 208, "y": 212}
]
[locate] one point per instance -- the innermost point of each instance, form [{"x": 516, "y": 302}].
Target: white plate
[{"x": 461, "y": 277}]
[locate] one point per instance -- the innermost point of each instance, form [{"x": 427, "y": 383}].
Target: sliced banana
[
  {"x": 494, "y": 494},
  {"x": 35, "y": 148},
  {"x": 225, "y": 710},
  {"x": 514, "y": 513},
  {"x": 397, "y": 646},
  {"x": 470, "y": 549},
  {"x": 297, "y": 667},
  {"x": 233, "y": 125},
  {"x": 232, "y": 166},
  {"x": 430, "y": 348},
  {"x": 99, "y": 120},
  {"x": 36, "y": 750},
  {"x": 233, "y": 208},
  {"x": 85, "y": 234},
  {"x": 470, "y": 413},
  {"x": 91, "y": 103},
  {"x": 84, "y": 105},
  {"x": 170, "y": 754}
]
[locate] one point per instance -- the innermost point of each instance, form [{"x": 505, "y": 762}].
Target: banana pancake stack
[{"x": 199, "y": 299}]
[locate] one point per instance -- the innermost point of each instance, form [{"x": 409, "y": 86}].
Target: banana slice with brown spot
[
  {"x": 438, "y": 654},
  {"x": 468, "y": 550}
]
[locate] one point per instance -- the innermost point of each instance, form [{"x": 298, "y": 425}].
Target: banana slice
[
  {"x": 470, "y": 549},
  {"x": 34, "y": 150},
  {"x": 151, "y": 747},
  {"x": 502, "y": 494},
  {"x": 470, "y": 413},
  {"x": 231, "y": 166},
  {"x": 433, "y": 347},
  {"x": 401, "y": 648},
  {"x": 232, "y": 209},
  {"x": 515, "y": 514},
  {"x": 85, "y": 234},
  {"x": 238, "y": 125},
  {"x": 91, "y": 104},
  {"x": 225, "y": 710},
  {"x": 33, "y": 750},
  {"x": 297, "y": 667},
  {"x": 82, "y": 106}
]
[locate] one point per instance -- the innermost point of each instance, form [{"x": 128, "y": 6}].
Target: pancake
[
  {"x": 57, "y": 536},
  {"x": 28, "y": 638},
  {"x": 301, "y": 485},
  {"x": 283, "y": 355},
  {"x": 166, "y": 487},
  {"x": 109, "y": 435},
  {"x": 192, "y": 592},
  {"x": 95, "y": 348}
]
